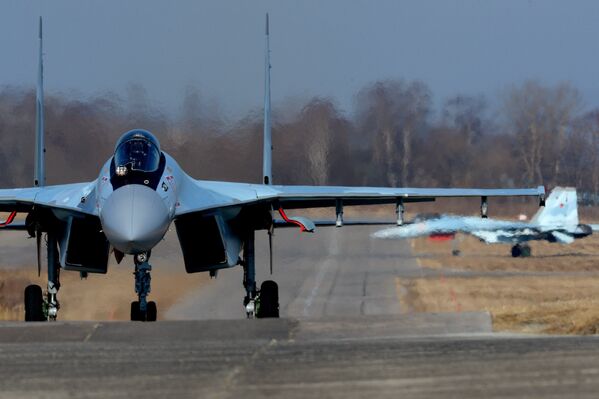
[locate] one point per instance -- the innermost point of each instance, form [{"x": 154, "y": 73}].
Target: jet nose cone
[{"x": 134, "y": 218}]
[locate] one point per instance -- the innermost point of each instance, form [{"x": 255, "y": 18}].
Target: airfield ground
[
  {"x": 556, "y": 291},
  {"x": 351, "y": 326}
]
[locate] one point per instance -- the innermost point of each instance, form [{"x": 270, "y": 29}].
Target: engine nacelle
[
  {"x": 84, "y": 247},
  {"x": 208, "y": 243}
]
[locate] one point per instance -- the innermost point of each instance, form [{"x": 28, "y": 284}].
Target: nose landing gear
[{"x": 142, "y": 309}]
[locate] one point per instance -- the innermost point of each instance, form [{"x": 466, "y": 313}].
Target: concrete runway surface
[{"x": 343, "y": 334}]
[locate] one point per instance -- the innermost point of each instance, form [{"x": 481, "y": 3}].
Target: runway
[
  {"x": 404, "y": 356},
  {"x": 334, "y": 272},
  {"x": 343, "y": 334}
]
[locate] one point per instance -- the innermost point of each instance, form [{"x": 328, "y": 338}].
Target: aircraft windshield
[{"x": 138, "y": 154}]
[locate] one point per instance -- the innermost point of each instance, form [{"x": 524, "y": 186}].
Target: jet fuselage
[{"x": 137, "y": 207}]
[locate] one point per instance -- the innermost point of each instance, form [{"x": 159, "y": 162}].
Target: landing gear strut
[
  {"x": 249, "y": 276},
  {"x": 142, "y": 309},
  {"x": 263, "y": 303},
  {"x": 38, "y": 308},
  {"x": 53, "y": 277}
]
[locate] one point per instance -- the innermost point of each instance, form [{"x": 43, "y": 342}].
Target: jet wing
[
  {"x": 320, "y": 196},
  {"x": 453, "y": 224},
  {"x": 201, "y": 195},
  {"x": 77, "y": 198}
]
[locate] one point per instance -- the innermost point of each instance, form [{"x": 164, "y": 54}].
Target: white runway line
[{"x": 322, "y": 271}]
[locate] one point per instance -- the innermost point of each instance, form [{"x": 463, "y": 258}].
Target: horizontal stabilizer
[{"x": 562, "y": 237}]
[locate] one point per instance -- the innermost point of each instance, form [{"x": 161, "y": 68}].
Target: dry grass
[
  {"x": 580, "y": 256},
  {"x": 520, "y": 304},
  {"x": 100, "y": 297},
  {"x": 561, "y": 298}
]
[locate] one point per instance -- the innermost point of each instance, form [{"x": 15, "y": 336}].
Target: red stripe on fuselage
[{"x": 442, "y": 237}]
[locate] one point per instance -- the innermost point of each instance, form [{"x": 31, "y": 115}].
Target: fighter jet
[
  {"x": 141, "y": 191},
  {"x": 557, "y": 221}
]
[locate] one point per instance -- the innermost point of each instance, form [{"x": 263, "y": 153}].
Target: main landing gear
[
  {"x": 142, "y": 309},
  {"x": 521, "y": 251},
  {"x": 38, "y": 308},
  {"x": 265, "y": 302}
]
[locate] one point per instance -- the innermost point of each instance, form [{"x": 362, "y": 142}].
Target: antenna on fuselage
[
  {"x": 267, "y": 150},
  {"x": 39, "y": 176}
]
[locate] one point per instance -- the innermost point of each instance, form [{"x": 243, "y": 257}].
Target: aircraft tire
[
  {"x": 516, "y": 251},
  {"x": 34, "y": 303},
  {"x": 151, "y": 311},
  {"x": 135, "y": 311},
  {"x": 526, "y": 251},
  {"x": 269, "y": 300}
]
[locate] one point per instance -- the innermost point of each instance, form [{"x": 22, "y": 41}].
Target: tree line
[{"x": 535, "y": 134}]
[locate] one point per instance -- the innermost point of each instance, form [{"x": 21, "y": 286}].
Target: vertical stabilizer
[
  {"x": 267, "y": 150},
  {"x": 39, "y": 177},
  {"x": 560, "y": 209}
]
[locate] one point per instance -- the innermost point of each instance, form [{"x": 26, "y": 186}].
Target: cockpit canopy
[{"x": 137, "y": 150}]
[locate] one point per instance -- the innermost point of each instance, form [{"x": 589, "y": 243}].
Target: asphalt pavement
[
  {"x": 412, "y": 356},
  {"x": 334, "y": 272}
]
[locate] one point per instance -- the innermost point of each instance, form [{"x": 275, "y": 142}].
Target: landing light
[{"x": 121, "y": 170}]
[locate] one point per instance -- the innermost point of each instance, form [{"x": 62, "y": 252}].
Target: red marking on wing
[
  {"x": 9, "y": 219},
  {"x": 285, "y": 218}
]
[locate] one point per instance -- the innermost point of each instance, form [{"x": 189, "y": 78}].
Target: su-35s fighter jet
[
  {"x": 557, "y": 221},
  {"x": 141, "y": 190}
]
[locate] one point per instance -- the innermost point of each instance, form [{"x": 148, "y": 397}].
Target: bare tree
[
  {"x": 391, "y": 113},
  {"x": 539, "y": 118},
  {"x": 465, "y": 118}
]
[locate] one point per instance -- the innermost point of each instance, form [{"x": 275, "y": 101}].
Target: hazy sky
[{"x": 319, "y": 47}]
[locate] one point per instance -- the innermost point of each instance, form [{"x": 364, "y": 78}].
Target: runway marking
[
  {"x": 319, "y": 278},
  {"x": 452, "y": 295},
  {"x": 333, "y": 250},
  {"x": 89, "y": 335}
]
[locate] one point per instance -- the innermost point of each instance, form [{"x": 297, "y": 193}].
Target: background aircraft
[
  {"x": 141, "y": 190},
  {"x": 557, "y": 221}
]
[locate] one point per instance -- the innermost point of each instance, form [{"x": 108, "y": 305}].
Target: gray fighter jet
[
  {"x": 557, "y": 221},
  {"x": 141, "y": 190}
]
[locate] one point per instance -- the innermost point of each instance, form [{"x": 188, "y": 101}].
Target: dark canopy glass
[{"x": 138, "y": 150}]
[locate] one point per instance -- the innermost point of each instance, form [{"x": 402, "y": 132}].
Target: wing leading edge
[
  {"x": 205, "y": 196},
  {"x": 76, "y": 198}
]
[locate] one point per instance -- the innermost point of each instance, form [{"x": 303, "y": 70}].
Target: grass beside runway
[
  {"x": 527, "y": 304},
  {"x": 556, "y": 291}
]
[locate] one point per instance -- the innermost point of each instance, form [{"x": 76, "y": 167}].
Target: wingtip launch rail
[
  {"x": 267, "y": 150},
  {"x": 39, "y": 179}
]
